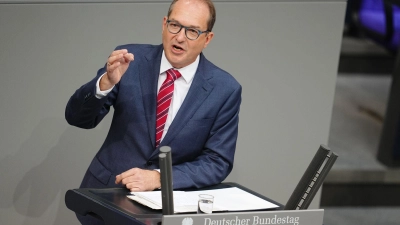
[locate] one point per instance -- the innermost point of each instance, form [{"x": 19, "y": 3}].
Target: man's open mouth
[{"x": 177, "y": 48}]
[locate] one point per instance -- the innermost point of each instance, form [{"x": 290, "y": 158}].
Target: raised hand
[{"x": 117, "y": 64}]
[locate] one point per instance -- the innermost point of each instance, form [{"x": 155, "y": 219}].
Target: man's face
[{"x": 179, "y": 50}]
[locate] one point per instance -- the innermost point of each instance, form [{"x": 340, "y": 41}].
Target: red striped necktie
[{"x": 164, "y": 101}]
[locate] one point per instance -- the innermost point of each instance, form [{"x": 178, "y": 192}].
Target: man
[{"x": 201, "y": 122}]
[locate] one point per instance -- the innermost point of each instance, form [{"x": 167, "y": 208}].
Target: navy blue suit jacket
[{"x": 202, "y": 135}]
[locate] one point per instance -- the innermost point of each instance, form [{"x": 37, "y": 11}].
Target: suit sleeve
[
  {"x": 216, "y": 160},
  {"x": 86, "y": 111}
]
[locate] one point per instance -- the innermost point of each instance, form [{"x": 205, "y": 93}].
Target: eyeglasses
[{"x": 191, "y": 33}]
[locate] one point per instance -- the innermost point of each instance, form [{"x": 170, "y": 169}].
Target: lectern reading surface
[{"x": 114, "y": 207}]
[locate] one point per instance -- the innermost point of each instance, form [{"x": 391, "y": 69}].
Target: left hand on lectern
[{"x": 137, "y": 179}]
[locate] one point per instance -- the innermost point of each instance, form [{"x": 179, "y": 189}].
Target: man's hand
[
  {"x": 139, "y": 180},
  {"x": 117, "y": 64}
]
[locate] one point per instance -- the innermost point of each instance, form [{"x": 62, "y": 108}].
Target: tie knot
[{"x": 173, "y": 74}]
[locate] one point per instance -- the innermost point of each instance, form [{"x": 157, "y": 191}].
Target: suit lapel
[
  {"x": 198, "y": 92},
  {"x": 149, "y": 73}
]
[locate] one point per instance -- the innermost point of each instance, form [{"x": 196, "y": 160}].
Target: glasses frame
[{"x": 199, "y": 32}]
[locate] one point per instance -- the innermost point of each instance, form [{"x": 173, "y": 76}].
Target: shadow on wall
[{"x": 41, "y": 186}]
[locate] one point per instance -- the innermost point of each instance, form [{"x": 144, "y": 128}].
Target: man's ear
[
  {"x": 209, "y": 37},
  {"x": 164, "y": 25}
]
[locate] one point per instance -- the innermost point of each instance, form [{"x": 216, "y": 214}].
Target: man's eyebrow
[{"x": 190, "y": 26}]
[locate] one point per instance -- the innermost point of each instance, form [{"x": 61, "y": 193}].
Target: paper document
[{"x": 225, "y": 199}]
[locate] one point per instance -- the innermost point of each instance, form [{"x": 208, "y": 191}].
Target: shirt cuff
[{"x": 101, "y": 94}]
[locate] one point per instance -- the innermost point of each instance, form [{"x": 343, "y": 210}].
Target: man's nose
[{"x": 181, "y": 36}]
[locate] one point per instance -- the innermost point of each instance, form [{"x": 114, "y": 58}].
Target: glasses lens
[
  {"x": 174, "y": 27},
  {"x": 192, "y": 33}
]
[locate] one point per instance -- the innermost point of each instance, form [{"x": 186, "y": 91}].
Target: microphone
[{"x": 167, "y": 195}]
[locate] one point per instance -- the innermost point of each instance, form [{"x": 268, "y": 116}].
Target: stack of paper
[{"x": 225, "y": 199}]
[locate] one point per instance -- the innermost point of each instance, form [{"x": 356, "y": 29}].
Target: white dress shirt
[{"x": 181, "y": 87}]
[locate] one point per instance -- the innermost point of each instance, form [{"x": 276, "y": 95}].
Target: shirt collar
[{"x": 187, "y": 72}]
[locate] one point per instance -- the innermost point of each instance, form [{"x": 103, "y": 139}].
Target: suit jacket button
[{"x": 149, "y": 163}]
